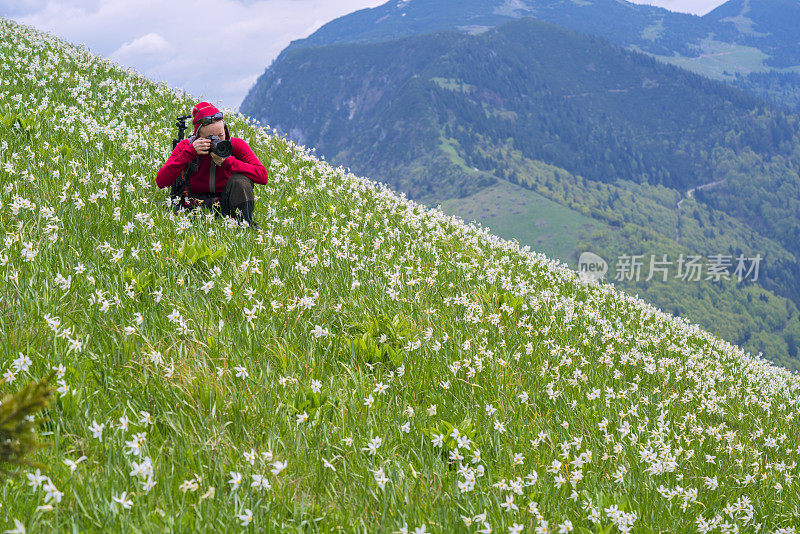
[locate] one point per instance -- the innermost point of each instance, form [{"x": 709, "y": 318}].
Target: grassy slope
[
  {"x": 515, "y": 213},
  {"x": 205, "y": 380}
]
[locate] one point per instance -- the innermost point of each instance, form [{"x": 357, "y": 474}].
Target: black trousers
[{"x": 236, "y": 200}]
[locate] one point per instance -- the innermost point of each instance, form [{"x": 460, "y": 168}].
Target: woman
[{"x": 225, "y": 184}]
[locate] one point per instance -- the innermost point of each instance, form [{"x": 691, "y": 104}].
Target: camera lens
[{"x": 222, "y": 149}]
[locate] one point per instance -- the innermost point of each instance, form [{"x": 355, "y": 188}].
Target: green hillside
[
  {"x": 605, "y": 133},
  {"x": 516, "y": 213},
  {"x": 359, "y": 364}
]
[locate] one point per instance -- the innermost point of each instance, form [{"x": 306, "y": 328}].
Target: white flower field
[{"x": 359, "y": 363}]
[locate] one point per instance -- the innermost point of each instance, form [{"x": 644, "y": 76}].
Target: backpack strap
[{"x": 183, "y": 188}]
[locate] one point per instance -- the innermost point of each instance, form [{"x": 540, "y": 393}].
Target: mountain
[
  {"x": 623, "y": 23},
  {"x": 570, "y": 100},
  {"x": 614, "y": 137},
  {"x": 749, "y": 43},
  {"x": 361, "y": 363},
  {"x": 770, "y": 25}
]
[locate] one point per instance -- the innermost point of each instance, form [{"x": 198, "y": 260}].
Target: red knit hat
[{"x": 204, "y": 109}]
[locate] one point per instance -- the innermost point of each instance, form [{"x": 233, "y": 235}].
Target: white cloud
[
  {"x": 696, "y": 7},
  {"x": 242, "y": 84},
  {"x": 145, "y": 45},
  {"x": 214, "y": 48}
]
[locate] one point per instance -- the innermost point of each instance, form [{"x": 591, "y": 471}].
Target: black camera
[{"x": 219, "y": 146}]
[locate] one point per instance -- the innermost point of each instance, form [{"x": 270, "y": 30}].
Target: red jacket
[{"x": 242, "y": 161}]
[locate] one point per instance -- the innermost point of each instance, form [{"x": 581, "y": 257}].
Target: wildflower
[
  {"x": 235, "y": 481},
  {"x": 372, "y": 446},
  {"x": 260, "y": 482},
  {"x": 319, "y": 331},
  {"x": 316, "y": 386},
  {"x": 189, "y": 485},
  {"x": 123, "y": 500},
  {"x": 22, "y": 364},
  {"x": 277, "y": 467},
  {"x": 327, "y": 464},
  {"x": 62, "y": 388},
  {"x": 35, "y": 479},
  {"x": 133, "y": 446},
  {"x": 143, "y": 469},
  {"x": 509, "y": 505},
  {"x": 156, "y": 358},
  {"x": 51, "y": 493},
  {"x": 9, "y": 376},
  {"x": 60, "y": 370},
  {"x": 380, "y": 478},
  {"x": 73, "y": 465},
  {"x": 241, "y": 372},
  {"x": 246, "y": 518}
]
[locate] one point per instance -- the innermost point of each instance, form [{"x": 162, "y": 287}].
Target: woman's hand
[
  {"x": 218, "y": 160},
  {"x": 202, "y": 145}
]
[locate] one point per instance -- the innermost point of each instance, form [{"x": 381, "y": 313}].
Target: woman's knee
[{"x": 240, "y": 189}]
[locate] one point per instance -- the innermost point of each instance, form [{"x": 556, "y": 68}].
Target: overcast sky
[{"x": 213, "y": 48}]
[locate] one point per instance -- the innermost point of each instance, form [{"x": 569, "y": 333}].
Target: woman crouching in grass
[{"x": 224, "y": 185}]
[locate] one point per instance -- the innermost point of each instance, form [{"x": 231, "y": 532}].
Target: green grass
[
  {"x": 452, "y": 84},
  {"x": 516, "y": 213},
  {"x": 353, "y": 321},
  {"x": 721, "y": 61},
  {"x": 654, "y": 31}
]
